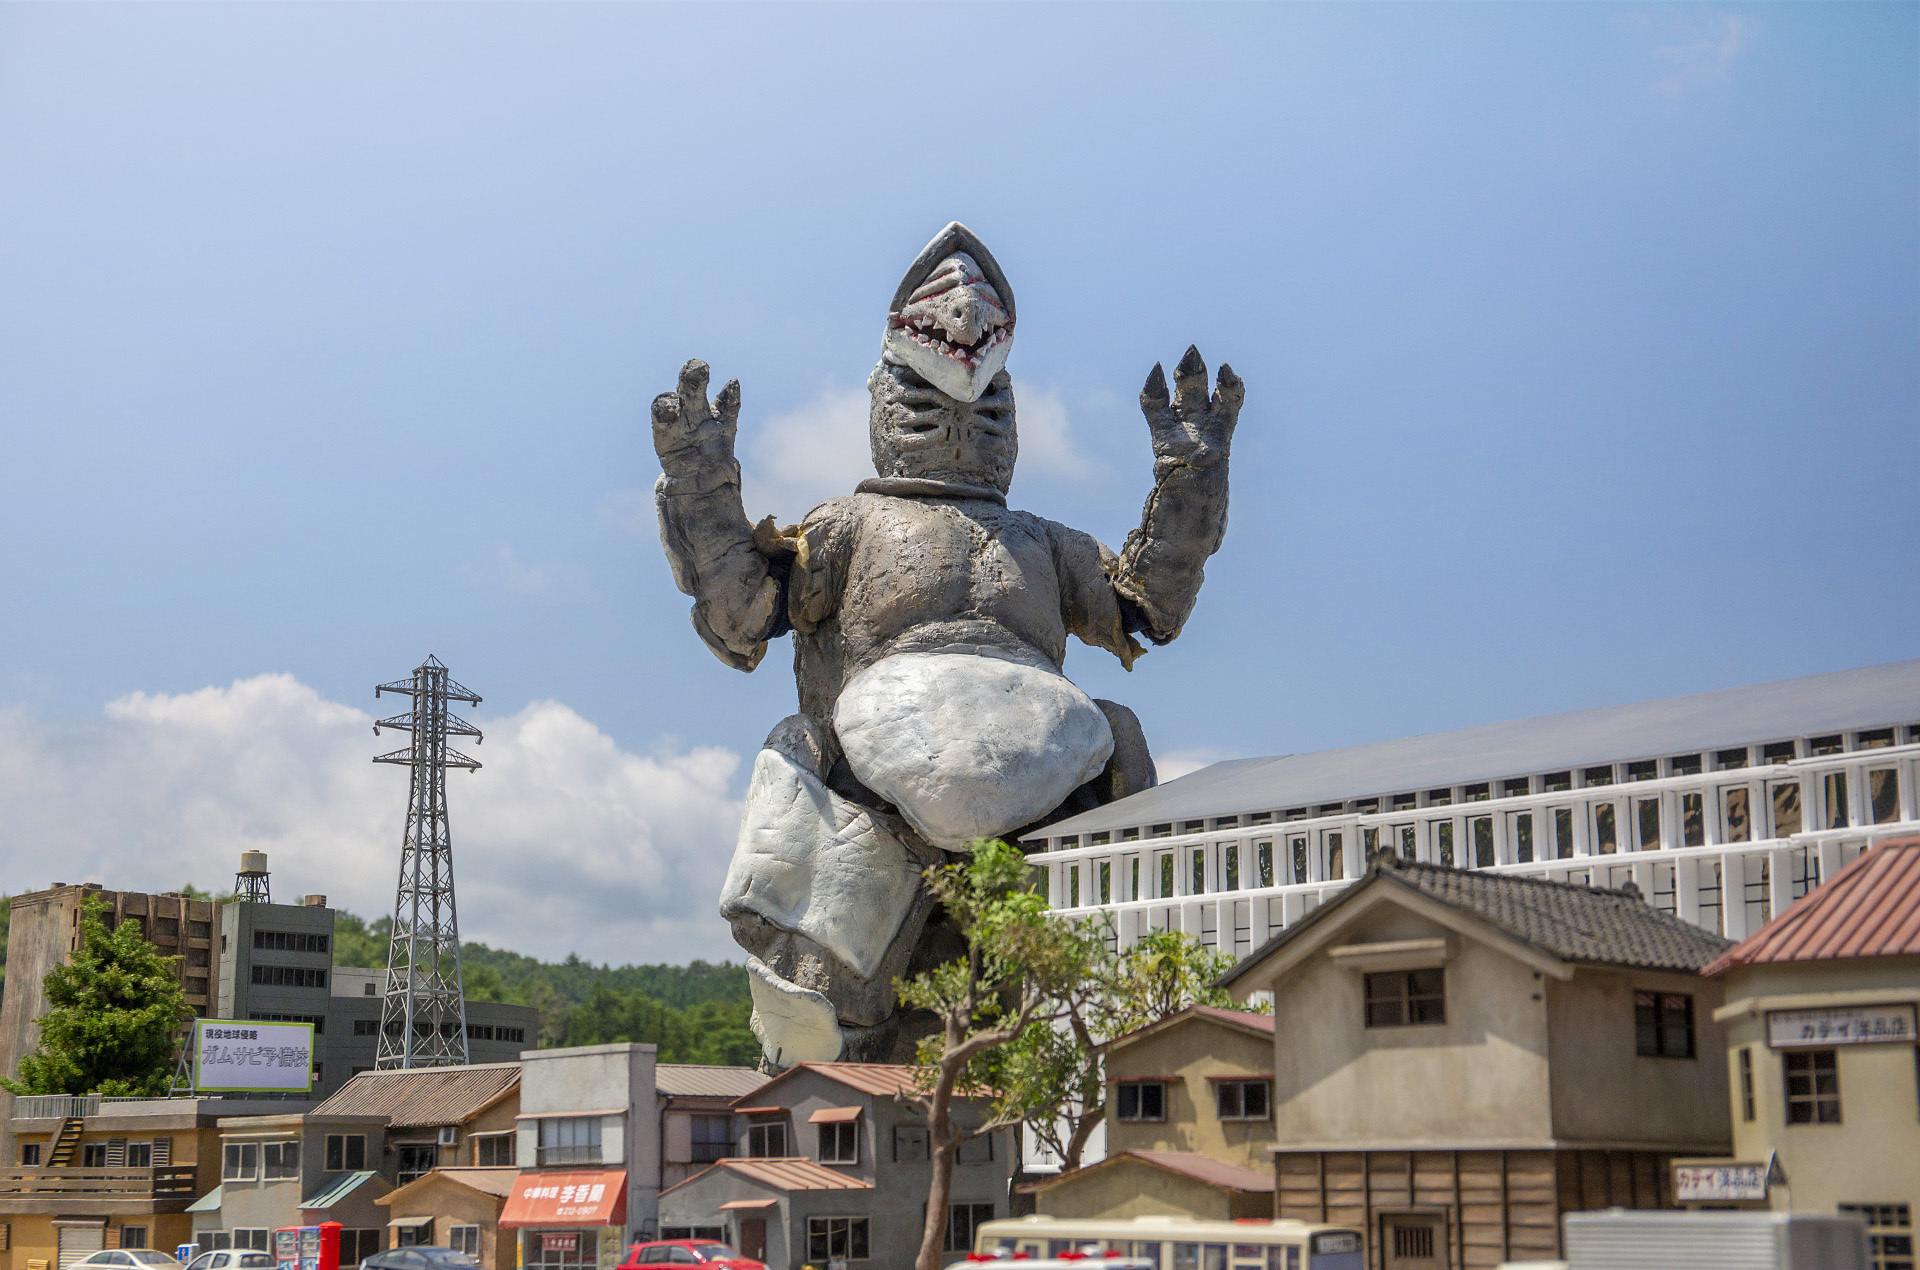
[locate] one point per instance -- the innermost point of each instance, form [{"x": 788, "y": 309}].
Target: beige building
[
  {"x": 457, "y": 1208},
  {"x": 696, "y": 1115},
  {"x": 1189, "y": 1123},
  {"x": 1823, "y": 1058},
  {"x": 1460, "y": 1057}
]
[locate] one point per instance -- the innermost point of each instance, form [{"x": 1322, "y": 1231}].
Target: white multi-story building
[{"x": 1723, "y": 808}]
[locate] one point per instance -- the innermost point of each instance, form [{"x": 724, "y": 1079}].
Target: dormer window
[{"x": 838, "y": 1140}]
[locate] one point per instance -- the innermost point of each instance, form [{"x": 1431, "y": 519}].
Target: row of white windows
[
  {"x": 1744, "y": 813},
  {"x": 1611, "y": 775}
]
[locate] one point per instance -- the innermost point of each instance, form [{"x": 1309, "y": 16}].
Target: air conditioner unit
[{"x": 449, "y": 1134}]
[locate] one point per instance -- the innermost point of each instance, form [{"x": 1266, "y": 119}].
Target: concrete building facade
[{"x": 1723, "y": 809}]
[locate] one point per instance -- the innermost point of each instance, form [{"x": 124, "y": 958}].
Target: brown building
[
  {"x": 1460, "y": 1057},
  {"x": 457, "y": 1208}
]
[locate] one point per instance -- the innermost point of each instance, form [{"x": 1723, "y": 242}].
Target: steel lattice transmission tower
[{"x": 423, "y": 1019}]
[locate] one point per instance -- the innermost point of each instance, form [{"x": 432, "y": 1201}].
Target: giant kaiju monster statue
[{"x": 929, "y": 622}]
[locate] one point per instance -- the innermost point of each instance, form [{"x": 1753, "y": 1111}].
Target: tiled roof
[
  {"x": 1201, "y": 1168},
  {"x": 1232, "y": 1018},
  {"x": 424, "y": 1095},
  {"x": 785, "y": 1175},
  {"x": 692, "y": 1081},
  {"x": 1871, "y": 908},
  {"x": 1574, "y": 923}
]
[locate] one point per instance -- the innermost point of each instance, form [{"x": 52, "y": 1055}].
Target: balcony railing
[
  {"x": 99, "y": 1184},
  {"x": 56, "y": 1106}
]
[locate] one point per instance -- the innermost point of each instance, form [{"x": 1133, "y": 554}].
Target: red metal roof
[
  {"x": 1871, "y": 908},
  {"x": 1201, "y": 1168},
  {"x": 788, "y": 1175}
]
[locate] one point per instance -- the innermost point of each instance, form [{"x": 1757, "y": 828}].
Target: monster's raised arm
[
  {"x": 1163, "y": 563},
  {"x": 736, "y": 590}
]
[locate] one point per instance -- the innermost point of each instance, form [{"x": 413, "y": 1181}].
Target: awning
[
  {"x": 410, "y": 1223},
  {"x": 759, "y": 1111},
  {"x": 208, "y": 1203},
  {"x": 834, "y": 1115},
  {"x": 742, "y": 1205},
  {"x": 580, "y": 1197}
]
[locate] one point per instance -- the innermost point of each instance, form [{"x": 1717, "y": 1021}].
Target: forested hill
[{"x": 695, "y": 1013}]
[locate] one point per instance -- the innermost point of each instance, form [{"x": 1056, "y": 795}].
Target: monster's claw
[
  {"x": 666, "y": 409},
  {"x": 1231, "y": 391},
  {"x": 1153, "y": 397},
  {"x": 727, "y": 404},
  {"x": 1190, "y": 382},
  {"x": 693, "y": 391}
]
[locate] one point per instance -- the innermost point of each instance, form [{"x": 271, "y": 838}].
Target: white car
[
  {"x": 232, "y": 1259},
  {"x": 132, "y": 1259}
]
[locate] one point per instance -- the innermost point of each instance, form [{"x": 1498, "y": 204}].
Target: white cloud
[
  {"x": 1048, "y": 447},
  {"x": 1172, "y": 766},
  {"x": 797, "y": 460},
  {"x": 1704, "y": 56},
  {"x": 564, "y": 842}
]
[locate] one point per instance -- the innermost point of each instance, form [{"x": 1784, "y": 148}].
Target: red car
[{"x": 688, "y": 1252}]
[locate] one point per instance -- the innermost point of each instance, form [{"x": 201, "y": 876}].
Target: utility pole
[{"x": 423, "y": 1018}]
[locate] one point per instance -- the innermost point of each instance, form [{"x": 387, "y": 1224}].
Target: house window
[
  {"x": 93, "y": 1155},
  {"x": 570, "y": 1140},
  {"x": 1663, "y": 1025},
  {"x": 1813, "y": 1086},
  {"x": 975, "y": 1150},
  {"x": 346, "y": 1152},
  {"x": 1230, "y": 866},
  {"x": 831, "y": 1237},
  {"x": 133, "y": 1236},
  {"x": 242, "y": 1162},
  {"x": 1443, "y": 842},
  {"x": 1263, "y": 863},
  {"x": 1141, "y": 1100},
  {"x": 1785, "y": 798},
  {"x": 1242, "y": 1099},
  {"x": 289, "y": 977},
  {"x": 1747, "y": 1110},
  {"x": 767, "y": 1140},
  {"x": 290, "y": 941},
  {"x": 1836, "y": 799},
  {"x": 1198, "y": 863},
  {"x": 413, "y": 1236},
  {"x": 282, "y": 1160},
  {"x": 1889, "y": 1234},
  {"x": 464, "y": 1239},
  {"x": 414, "y": 1161},
  {"x": 1336, "y": 858},
  {"x": 1298, "y": 847},
  {"x": 1606, "y": 838},
  {"x": 963, "y": 1222},
  {"x": 1883, "y": 795},
  {"x": 30, "y": 1154},
  {"x": 840, "y": 1143},
  {"x": 1647, "y": 811},
  {"x": 252, "y": 1239},
  {"x": 909, "y": 1143},
  {"x": 1520, "y": 828},
  {"x": 366, "y": 1027},
  {"x": 1397, "y": 998},
  {"x": 495, "y": 1150},
  {"x": 357, "y": 1245}
]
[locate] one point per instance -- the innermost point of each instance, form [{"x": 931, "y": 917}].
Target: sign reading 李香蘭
[
  {"x": 234, "y": 1057},
  {"x": 1841, "y": 1025},
  {"x": 1719, "y": 1183}
]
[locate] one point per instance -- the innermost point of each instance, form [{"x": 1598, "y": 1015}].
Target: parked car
[
  {"x": 232, "y": 1259},
  {"x": 128, "y": 1258},
  {"x": 422, "y": 1257},
  {"x": 688, "y": 1252}
]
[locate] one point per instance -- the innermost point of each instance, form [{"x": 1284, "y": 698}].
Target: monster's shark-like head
[{"x": 951, "y": 320}]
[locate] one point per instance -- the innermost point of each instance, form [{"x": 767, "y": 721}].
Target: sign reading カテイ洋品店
[
  {"x": 1842, "y": 1025},
  {"x": 1710, "y": 1183},
  {"x": 234, "y": 1057}
]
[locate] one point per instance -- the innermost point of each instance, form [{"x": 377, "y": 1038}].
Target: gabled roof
[
  {"x": 689, "y": 1080},
  {"x": 1871, "y": 908},
  {"x": 1260, "y": 1025},
  {"x": 1842, "y": 701},
  {"x": 423, "y": 1095},
  {"x": 488, "y": 1181},
  {"x": 783, "y": 1175},
  {"x": 1579, "y": 924},
  {"x": 1188, "y": 1164},
  {"x": 340, "y": 1188},
  {"x": 882, "y": 1080}
]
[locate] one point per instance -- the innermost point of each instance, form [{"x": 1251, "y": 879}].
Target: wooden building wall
[{"x": 1498, "y": 1205}]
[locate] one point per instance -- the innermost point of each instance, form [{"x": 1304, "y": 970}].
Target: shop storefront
[{"x": 573, "y": 1220}]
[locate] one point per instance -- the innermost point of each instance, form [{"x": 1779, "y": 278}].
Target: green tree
[
  {"x": 1056, "y": 1075},
  {"x": 1021, "y": 970},
  {"x": 115, "y": 1019}
]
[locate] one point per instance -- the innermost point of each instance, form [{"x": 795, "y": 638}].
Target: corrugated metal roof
[
  {"x": 1871, "y": 908},
  {"x": 694, "y": 1081},
  {"x": 1232, "y": 1018},
  {"x": 793, "y": 1175},
  {"x": 423, "y": 1095},
  {"x": 341, "y": 1187},
  {"x": 488, "y": 1181},
  {"x": 882, "y": 1080},
  {"x": 1842, "y": 701},
  {"x": 1574, "y": 923},
  {"x": 1201, "y": 1168}
]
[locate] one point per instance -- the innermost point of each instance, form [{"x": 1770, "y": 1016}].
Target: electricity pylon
[{"x": 423, "y": 1018}]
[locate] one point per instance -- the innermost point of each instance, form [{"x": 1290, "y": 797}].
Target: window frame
[
  {"x": 585, "y": 1148},
  {"x": 1389, "y": 998},
  {"x": 762, "y": 1129},
  {"x": 821, "y": 1229},
  {"x": 1654, "y": 1027},
  {"x": 280, "y": 1161},
  {"x": 340, "y": 1146},
  {"x": 1810, "y": 1097},
  {"x": 967, "y": 1217},
  {"x": 459, "y": 1235},
  {"x": 1137, "y": 1088},
  {"x": 492, "y": 1143},
  {"x": 1234, "y": 1090},
  {"x": 243, "y": 1156},
  {"x": 837, "y": 1142}
]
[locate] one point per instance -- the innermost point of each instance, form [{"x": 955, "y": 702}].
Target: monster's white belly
[{"x": 969, "y": 745}]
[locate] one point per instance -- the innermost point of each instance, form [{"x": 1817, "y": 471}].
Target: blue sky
[{"x": 1582, "y": 346}]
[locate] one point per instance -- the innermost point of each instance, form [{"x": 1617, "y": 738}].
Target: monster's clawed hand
[
  {"x": 1191, "y": 428},
  {"x": 688, "y": 434}
]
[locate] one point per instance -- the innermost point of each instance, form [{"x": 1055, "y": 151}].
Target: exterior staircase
[{"x": 66, "y": 1143}]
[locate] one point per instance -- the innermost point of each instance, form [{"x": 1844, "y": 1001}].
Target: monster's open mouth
[{"x": 925, "y": 330}]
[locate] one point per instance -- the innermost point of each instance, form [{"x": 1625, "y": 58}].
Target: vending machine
[{"x": 307, "y": 1247}]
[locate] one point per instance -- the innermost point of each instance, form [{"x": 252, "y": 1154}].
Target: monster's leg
[{"x": 826, "y": 894}]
